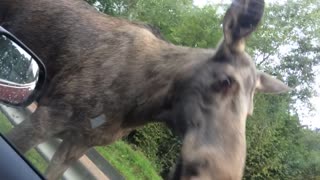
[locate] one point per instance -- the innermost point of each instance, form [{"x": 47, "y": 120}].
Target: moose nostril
[
  {"x": 194, "y": 168},
  {"x": 191, "y": 170}
]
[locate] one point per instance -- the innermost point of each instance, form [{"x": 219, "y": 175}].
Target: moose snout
[
  {"x": 209, "y": 169},
  {"x": 210, "y": 162}
]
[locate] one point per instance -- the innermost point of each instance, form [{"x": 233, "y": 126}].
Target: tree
[
  {"x": 287, "y": 44},
  {"x": 284, "y": 46}
]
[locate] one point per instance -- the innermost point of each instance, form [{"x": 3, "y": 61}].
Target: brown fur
[{"x": 99, "y": 64}]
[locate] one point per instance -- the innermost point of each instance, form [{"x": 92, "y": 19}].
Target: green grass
[
  {"x": 33, "y": 156},
  {"x": 130, "y": 163},
  {"x": 5, "y": 125}
]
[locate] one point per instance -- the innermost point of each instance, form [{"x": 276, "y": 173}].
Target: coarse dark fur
[{"x": 98, "y": 64}]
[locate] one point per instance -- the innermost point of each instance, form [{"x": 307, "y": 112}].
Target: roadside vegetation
[
  {"x": 130, "y": 163},
  {"x": 286, "y": 45}
]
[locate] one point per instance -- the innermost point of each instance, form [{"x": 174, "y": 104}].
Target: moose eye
[
  {"x": 225, "y": 83},
  {"x": 222, "y": 84}
]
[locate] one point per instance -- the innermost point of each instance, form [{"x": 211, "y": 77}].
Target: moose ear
[
  {"x": 268, "y": 84},
  {"x": 241, "y": 19}
]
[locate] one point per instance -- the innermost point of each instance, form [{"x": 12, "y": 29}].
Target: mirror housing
[{"x": 22, "y": 73}]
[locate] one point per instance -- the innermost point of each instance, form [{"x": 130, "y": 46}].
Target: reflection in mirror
[{"x": 19, "y": 72}]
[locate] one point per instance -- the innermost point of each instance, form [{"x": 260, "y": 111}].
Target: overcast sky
[{"x": 310, "y": 119}]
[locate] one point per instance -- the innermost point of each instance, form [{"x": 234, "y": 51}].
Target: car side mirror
[{"x": 22, "y": 73}]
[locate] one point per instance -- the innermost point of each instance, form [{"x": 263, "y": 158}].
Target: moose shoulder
[{"x": 102, "y": 65}]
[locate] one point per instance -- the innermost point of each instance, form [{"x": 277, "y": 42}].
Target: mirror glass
[{"x": 19, "y": 72}]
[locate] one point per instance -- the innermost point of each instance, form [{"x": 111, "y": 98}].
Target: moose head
[{"x": 210, "y": 104}]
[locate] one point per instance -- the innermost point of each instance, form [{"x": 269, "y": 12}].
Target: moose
[{"x": 99, "y": 65}]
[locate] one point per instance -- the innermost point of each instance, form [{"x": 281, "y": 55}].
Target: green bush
[{"x": 158, "y": 143}]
